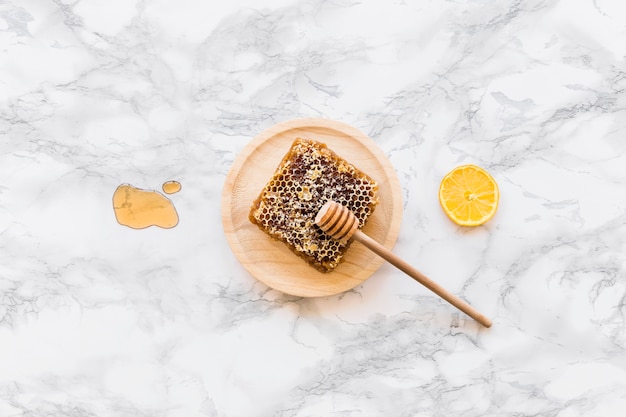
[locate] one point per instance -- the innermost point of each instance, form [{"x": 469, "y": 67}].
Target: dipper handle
[{"x": 341, "y": 224}]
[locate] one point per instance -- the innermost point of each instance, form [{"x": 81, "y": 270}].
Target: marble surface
[{"x": 97, "y": 319}]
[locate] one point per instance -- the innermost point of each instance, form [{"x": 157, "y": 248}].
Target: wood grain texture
[{"x": 269, "y": 260}]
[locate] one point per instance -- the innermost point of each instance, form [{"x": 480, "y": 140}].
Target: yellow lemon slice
[{"x": 469, "y": 195}]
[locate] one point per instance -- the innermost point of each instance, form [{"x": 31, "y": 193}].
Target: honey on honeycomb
[{"x": 309, "y": 175}]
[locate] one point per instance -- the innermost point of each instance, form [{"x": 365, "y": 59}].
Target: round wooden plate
[{"x": 269, "y": 260}]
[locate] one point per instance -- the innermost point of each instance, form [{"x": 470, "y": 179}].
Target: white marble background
[{"x": 97, "y": 319}]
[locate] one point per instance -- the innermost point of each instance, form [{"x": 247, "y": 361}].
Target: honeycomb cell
[{"x": 309, "y": 175}]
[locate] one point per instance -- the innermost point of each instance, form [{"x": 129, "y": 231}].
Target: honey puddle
[
  {"x": 171, "y": 187},
  {"x": 138, "y": 209}
]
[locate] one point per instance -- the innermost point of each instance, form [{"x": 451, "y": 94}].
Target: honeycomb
[{"x": 309, "y": 175}]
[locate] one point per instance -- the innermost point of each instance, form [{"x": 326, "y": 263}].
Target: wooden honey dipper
[{"x": 341, "y": 224}]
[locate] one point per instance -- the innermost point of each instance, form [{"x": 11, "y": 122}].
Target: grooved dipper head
[{"x": 337, "y": 221}]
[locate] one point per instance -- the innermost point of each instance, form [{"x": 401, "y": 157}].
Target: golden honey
[
  {"x": 309, "y": 175},
  {"x": 138, "y": 209},
  {"x": 171, "y": 187}
]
